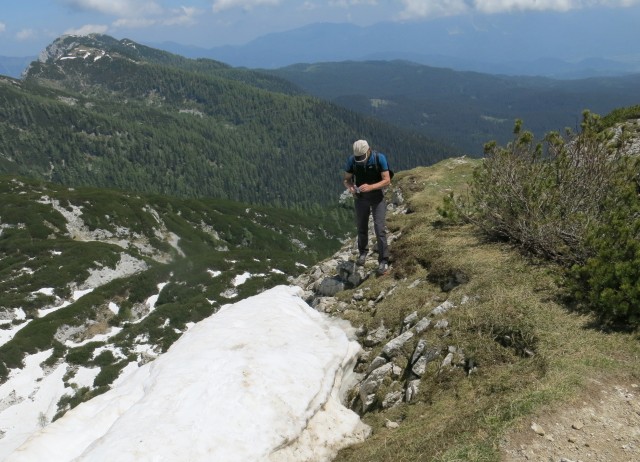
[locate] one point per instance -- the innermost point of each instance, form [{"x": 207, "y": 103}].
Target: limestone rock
[
  {"x": 394, "y": 347},
  {"x": 377, "y": 336}
]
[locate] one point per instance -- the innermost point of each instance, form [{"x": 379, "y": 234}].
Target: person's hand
[{"x": 365, "y": 188}]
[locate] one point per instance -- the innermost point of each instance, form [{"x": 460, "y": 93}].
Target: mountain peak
[
  {"x": 93, "y": 47},
  {"x": 74, "y": 46}
]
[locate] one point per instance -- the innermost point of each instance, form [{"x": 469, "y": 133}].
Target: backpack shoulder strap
[{"x": 375, "y": 153}]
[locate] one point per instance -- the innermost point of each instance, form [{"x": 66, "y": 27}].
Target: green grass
[{"x": 531, "y": 351}]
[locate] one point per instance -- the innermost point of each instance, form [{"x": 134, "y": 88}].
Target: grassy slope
[{"x": 514, "y": 308}]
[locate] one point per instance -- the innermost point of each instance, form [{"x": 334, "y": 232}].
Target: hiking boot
[
  {"x": 361, "y": 259},
  {"x": 383, "y": 268}
]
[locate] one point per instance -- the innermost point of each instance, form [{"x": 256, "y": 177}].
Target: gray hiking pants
[{"x": 366, "y": 205}]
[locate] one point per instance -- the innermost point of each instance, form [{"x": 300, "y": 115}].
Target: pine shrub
[
  {"x": 546, "y": 196},
  {"x": 571, "y": 199},
  {"x": 608, "y": 282}
]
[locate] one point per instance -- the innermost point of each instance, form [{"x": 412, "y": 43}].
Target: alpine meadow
[{"x": 145, "y": 195}]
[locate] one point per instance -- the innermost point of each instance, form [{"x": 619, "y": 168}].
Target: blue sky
[{"x": 27, "y": 27}]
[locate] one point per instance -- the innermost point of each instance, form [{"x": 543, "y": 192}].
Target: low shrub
[
  {"x": 608, "y": 282},
  {"x": 572, "y": 199},
  {"x": 107, "y": 375}
]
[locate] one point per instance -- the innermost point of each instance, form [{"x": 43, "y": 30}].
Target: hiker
[{"x": 366, "y": 174}]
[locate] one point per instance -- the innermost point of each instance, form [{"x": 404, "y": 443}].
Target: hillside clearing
[{"x": 525, "y": 354}]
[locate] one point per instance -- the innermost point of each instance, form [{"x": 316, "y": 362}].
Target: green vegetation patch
[{"x": 525, "y": 350}]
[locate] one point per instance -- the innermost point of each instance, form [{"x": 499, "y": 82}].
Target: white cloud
[
  {"x": 347, "y": 3},
  {"x": 138, "y": 14},
  {"x": 26, "y": 34},
  {"x": 134, "y": 23},
  {"x": 123, "y": 8},
  {"x": 308, "y": 6},
  {"x": 430, "y": 8},
  {"x": 3, "y": 27},
  {"x": 436, "y": 8},
  {"x": 222, "y": 5},
  {"x": 182, "y": 16},
  {"x": 88, "y": 29},
  {"x": 498, "y": 6}
]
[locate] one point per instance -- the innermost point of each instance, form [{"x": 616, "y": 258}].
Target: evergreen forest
[
  {"x": 106, "y": 113},
  {"x": 463, "y": 109}
]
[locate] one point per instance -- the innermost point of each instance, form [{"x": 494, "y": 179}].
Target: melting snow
[
  {"x": 241, "y": 279},
  {"x": 261, "y": 380}
]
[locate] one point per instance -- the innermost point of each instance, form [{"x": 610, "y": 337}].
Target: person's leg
[
  {"x": 362, "y": 223},
  {"x": 379, "y": 216}
]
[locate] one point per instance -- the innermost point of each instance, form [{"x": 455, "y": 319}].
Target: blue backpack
[{"x": 377, "y": 163}]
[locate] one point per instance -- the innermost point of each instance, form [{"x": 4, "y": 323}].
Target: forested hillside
[
  {"x": 56, "y": 241},
  {"x": 465, "y": 109},
  {"x": 101, "y": 112}
]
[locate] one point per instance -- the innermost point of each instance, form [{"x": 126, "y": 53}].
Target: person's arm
[{"x": 383, "y": 183}]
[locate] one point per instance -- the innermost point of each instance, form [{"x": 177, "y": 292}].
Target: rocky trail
[{"x": 602, "y": 425}]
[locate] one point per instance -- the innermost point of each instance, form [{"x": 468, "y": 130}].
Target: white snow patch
[
  {"x": 35, "y": 397},
  {"x": 117, "y": 353},
  {"x": 45, "y": 311},
  {"x": 85, "y": 376},
  {"x": 46, "y": 291},
  {"x": 59, "y": 304},
  {"x": 241, "y": 279},
  {"x": 77, "y": 294},
  {"x": 151, "y": 301},
  {"x": 229, "y": 293},
  {"x": 115, "y": 309},
  {"x": 258, "y": 381},
  {"x": 8, "y": 334}
]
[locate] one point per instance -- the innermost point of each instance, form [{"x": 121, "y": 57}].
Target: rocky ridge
[{"x": 394, "y": 360}]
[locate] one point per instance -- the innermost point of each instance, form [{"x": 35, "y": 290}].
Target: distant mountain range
[
  {"x": 549, "y": 44},
  {"x": 464, "y": 109},
  {"x": 509, "y": 44}
]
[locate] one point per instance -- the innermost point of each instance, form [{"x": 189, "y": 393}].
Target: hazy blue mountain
[
  {"x": 545, "y": 43},
  {"x": 13, "y": 67},
  {"x": 465, "y": 109}
]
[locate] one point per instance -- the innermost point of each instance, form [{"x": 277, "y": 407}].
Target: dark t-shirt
[{"x": 369, "y": 173}]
